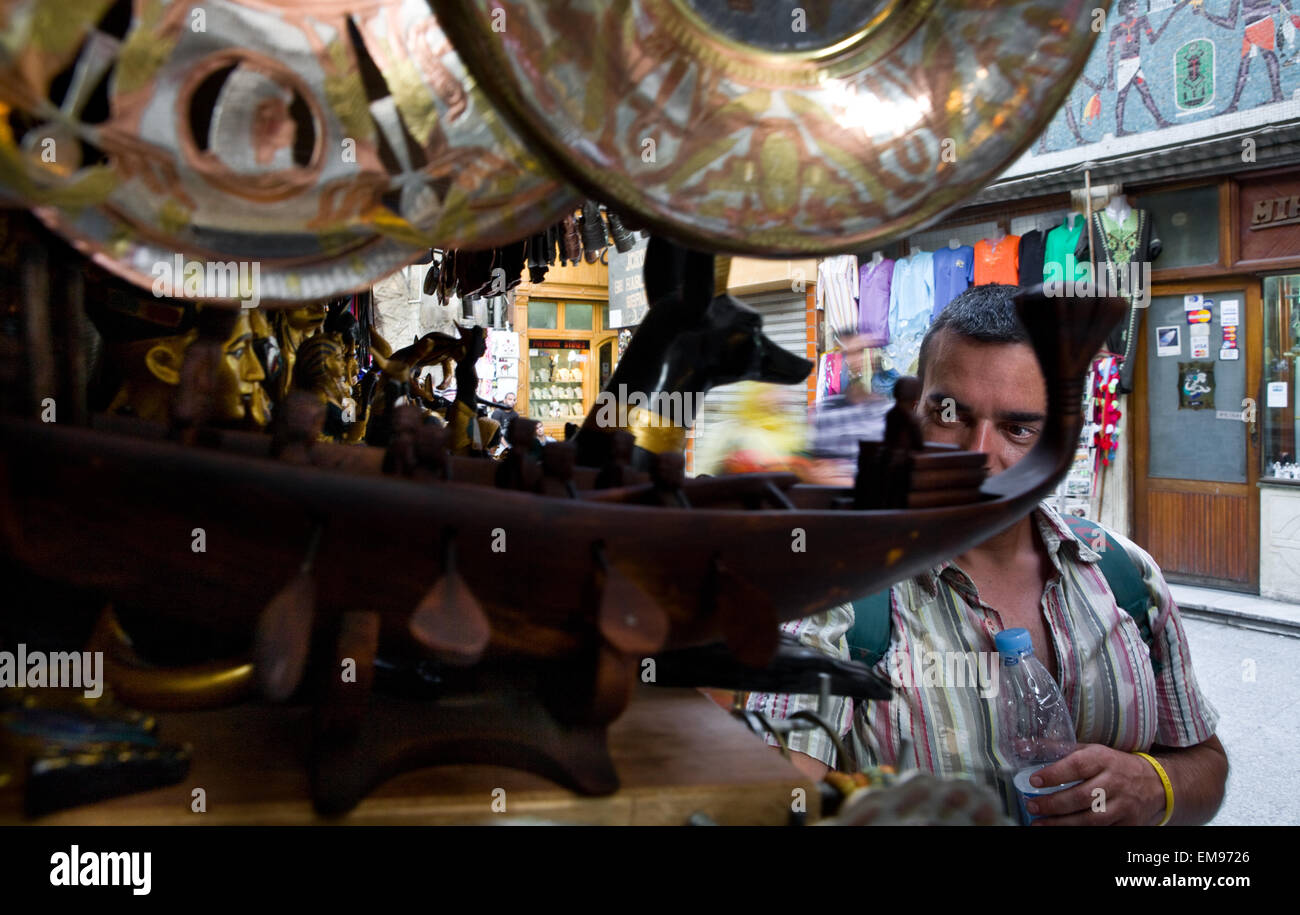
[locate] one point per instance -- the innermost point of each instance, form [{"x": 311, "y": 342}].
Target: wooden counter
[{"x": 675, "y": 751}]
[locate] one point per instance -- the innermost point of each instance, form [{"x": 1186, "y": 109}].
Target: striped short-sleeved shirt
[{"x": 947, "y": 723}]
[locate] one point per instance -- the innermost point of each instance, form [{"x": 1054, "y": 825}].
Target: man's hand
[{"x": 1134, "y": 794}]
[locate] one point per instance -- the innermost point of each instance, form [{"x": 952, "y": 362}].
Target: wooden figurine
[
  {"x": 885, "y": 468},
  {"x": 558, "y": 460},
  {"x": 614, "y": 472},
  {"x": 520, "y": 470},
  {"x": 667, "y": 474},
  {"x": 902, "y": 439},
  {"x": 401, "y": 459}
]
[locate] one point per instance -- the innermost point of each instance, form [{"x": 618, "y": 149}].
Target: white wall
[
  {"x": 403, "y": 313},
  {"x": 1279, "y": 542}
]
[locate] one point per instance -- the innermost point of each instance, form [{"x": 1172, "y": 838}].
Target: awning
[{"x": 1274, "y": 146}]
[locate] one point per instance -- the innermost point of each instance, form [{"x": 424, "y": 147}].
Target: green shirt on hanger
[{"x": 1059, "y": 254}]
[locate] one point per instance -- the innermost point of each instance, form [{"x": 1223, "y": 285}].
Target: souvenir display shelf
[{"x": 558, "y": 381}]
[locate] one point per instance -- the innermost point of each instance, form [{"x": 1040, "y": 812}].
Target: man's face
[
  {"x": 987, "y": 397},
  {"x": 510, "y": 400}
]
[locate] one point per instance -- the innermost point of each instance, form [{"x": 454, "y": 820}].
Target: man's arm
[
  {"x": 813, "y": 768},
  {"x": 1123, "y": 789},
  {"x": 1198, "y": 775},
  {"x": 811, "y": 751}
]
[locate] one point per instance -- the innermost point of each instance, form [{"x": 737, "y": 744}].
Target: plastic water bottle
[{"x": 1037, "y": 729}]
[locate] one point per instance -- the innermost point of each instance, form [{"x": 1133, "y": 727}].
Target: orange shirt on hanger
[{"x": 998, "y": 262}]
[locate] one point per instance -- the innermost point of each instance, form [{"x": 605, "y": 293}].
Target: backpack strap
[
  {"x": 872, "y": 626},
  {"x": 873, "y": 617},
  {"x": 1121, "y": 573}
]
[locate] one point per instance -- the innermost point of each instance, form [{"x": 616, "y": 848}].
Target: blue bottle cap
[{"x": 1013, "y": 642}]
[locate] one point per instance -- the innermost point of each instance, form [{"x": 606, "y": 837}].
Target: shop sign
[
  {"x": 1275, "y": 211},
  {"x": 627, "y": 296},
  {"x": 558, "y": 344}
]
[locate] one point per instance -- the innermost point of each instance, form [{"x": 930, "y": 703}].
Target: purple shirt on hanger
[
  {"x": 954, "y": 269},
  {"x": 873, "y": 300}
]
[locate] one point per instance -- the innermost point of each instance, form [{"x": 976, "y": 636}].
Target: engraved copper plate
[
  {"x": 329, "y": 142},
  {"x": 773, "y": 127}
]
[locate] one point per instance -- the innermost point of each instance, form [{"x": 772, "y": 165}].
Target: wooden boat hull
[{"x": 122, "y": 516}]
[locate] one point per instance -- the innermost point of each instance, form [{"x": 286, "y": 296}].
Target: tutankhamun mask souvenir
[
  {"x": 145, "y": 343},
  {"x": 292, "y": 327},
  {"x": 321, "y": 370},
  {"x": 239, "y": 377},
  {"x": 266, "y": 346}
]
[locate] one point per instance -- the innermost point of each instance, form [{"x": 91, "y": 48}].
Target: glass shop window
[
  {"x": 1187, "y": 223},
  {"x": 577, "y": 316},
  {"x": 557, "y": 375},
  {"x": 1281, "y": 350},
  {"x": 543, "y": 315}
]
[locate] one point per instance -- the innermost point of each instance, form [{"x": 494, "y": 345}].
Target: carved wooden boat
[
  {"x": 119, "y": 514},
  {"x": 564, "y": 597}
]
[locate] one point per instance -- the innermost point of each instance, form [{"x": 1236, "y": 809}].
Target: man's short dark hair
[{"x": 985, "y": 314}]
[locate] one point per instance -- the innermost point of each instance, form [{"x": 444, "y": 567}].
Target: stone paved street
[{"x": 1259, "y": 720}]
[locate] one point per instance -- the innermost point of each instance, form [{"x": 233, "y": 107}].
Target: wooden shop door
[{"x": 1196, "y": 505}]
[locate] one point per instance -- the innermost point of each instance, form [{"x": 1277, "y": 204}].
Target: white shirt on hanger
[{"x": 837, "y": 291}]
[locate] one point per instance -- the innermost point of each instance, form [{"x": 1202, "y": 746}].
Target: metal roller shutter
[{"x": 783, "y": 322}]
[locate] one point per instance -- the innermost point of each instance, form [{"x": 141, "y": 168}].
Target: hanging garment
[
  {"x": 911, "y": 302},
  {"x": 874, "y": 282},
  {"x": 1105, "y": 410},
  {"x": 1033, "y": 249},
  {"x": 954, "y": 268},
  {"x": 837, "y": 292},
  {"x": 1061, "y": 262},
  {"x": 1116, "y": 245},
  {"x": 833, "y": 372},
  {"x": 998, "y": 261}
]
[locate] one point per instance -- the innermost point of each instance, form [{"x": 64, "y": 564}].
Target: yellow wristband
[{"x": 1164, "y": 780}]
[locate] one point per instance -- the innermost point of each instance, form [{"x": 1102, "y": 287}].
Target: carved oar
[
  {"x": 629, "y": 619},
  {"x": 282, "y": 639},
  {"x": 352, "y": 678},
  {"x": 449, "y": 620}
]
